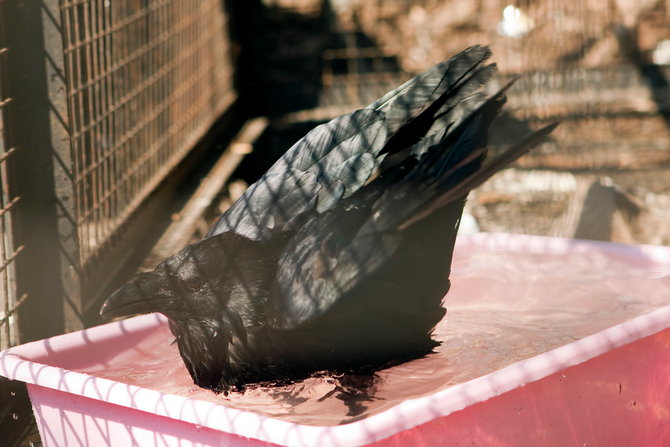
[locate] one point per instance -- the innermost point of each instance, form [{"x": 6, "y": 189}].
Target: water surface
[{"x": 504, "y": 306}]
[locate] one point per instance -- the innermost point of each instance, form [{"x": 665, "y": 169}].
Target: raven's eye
[{"x": 194, "y": 283}]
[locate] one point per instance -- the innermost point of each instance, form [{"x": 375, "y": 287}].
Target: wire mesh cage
[
  {"x": 356, "y": 72},
  {"x": 145, "y": 80},
  {"x": 102, "y": 100}
]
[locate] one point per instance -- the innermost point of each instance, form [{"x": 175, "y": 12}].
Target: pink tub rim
[{"x": 15, "y": 364}]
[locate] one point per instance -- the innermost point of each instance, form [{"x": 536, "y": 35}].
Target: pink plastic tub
[{"x": 547, "y": 342}]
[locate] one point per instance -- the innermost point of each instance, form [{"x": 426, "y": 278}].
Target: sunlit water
[{"x": 503, "y": 307}]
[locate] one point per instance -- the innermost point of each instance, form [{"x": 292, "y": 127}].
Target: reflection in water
[
  {"x": 503, "y": 307},
  {"x": 354, "y": 390}
]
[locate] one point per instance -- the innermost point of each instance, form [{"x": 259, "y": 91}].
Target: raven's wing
[
  {"x": 326, "y": 259},
  {"x": 335, "y": 159},
  {"x": 314, "y": 173},
  {"x": 337, "y": 251}
]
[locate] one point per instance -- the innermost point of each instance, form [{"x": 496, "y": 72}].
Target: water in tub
[{"x": 504, "y": 306}]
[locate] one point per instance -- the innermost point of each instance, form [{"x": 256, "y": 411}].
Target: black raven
[{"x": 338, "y": 258}]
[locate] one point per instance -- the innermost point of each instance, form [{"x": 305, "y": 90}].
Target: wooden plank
[{"x": 181, "y": 230}]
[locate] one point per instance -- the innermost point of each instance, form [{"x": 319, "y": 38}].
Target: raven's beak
[{"x": 149, "y": 292}]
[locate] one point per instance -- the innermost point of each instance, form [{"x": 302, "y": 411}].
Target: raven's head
[{"x": 212, "y": 292}]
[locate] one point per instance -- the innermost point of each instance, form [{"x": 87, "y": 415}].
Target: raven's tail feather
[
  {"x": 414, "y": 186},
  {"x": 444, "y": 94},
  {"x": 470, "y": 136},
  {"x": 449, "y": 169},
  {"x": 481, "y": 175}
]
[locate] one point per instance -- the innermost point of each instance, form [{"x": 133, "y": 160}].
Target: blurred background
[{"x": 128, "y": 126}]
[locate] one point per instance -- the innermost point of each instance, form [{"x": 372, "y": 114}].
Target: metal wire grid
[
  {"x": 356, "y": 74},
  {"x": 145, "y": 80},
  {"x": 8, "y": 298}
]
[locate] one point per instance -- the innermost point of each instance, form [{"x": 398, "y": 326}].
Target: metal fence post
[
  {"x": 66, "y": 221},
  {"x": 41, "y": 170}
]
